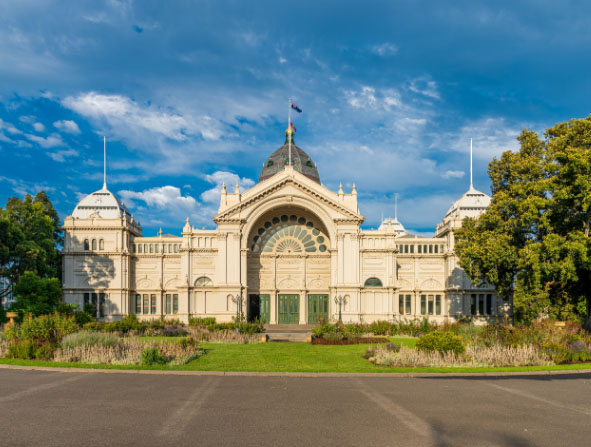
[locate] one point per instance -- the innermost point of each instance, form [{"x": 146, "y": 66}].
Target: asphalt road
[{"x": 40, "y": 408}]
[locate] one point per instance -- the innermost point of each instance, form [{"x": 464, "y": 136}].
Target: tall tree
[
  {"x": 30, "y": 234},
  {"x": 533, "y": 242}
]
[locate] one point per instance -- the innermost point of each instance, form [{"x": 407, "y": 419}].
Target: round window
[{"x": 322, "y": 248}]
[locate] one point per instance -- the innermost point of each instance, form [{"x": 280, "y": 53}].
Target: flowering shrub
[
  {"x": 201, "y": 321},
  {"x": 37, "y": 337},
  {"x": 441, "y": 342}
]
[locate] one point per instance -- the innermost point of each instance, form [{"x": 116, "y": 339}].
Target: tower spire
[
  {"x": 289, "y": 130},
  {"x": 471, "y": 186},
  {"x": 104, "y": 162}
]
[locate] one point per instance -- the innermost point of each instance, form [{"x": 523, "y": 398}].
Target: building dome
[
  {"x": 472, "y": 204},
  {"x": 392, "y": 225},
  {"x": 102, "y": 203},
  {"x": 300, "y": 161}
]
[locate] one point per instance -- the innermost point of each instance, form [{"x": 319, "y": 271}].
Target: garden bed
[{"x": 353, "y": 341}]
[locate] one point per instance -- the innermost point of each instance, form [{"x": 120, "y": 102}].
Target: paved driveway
[{"x": 40, "y": 408}]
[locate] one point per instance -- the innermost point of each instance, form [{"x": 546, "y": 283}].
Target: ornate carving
[{"x": 431, "y": 284}]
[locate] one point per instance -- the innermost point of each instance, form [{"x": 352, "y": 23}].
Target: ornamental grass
[
  {"x": 474, "y": 356},
  {"x": 85, "y": 348},
  {"x": 224, "y": 336}
]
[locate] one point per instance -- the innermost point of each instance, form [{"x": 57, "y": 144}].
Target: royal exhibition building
[{"x": 286, "y": 251}]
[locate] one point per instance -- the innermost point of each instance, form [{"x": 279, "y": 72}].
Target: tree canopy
[
  {"x": 533, "y": 242},
  {"x": 30, "y": 234}
]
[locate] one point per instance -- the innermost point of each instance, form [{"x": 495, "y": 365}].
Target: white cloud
[
  {"x": 60, "y": 156},
  {"x": 126, "y": 116},
  {"x": 161, "y": 197},
  {"x": 29, "y": 119},
  {"x": 282, "y": 60},
  {"x": 362, "y": 99},
  {"x": 490, "y": 137},
  {"x": 229, "y": 179},
  {"x": 424, "y": 87},
  {"x": 177, "y": 206},
  {"x": 453, "y": 174},
  {"x": 22, "y": 187},
  {"x": 39, "y": 127},
  {"x": 5, "y": 138},
  {"x": 68, "y": 126},
  {"x": 52, "y": 140},
  {"x": 385, "y": 49},
  {"x": 407, "y": 124},
  {"x": 9, "y": 127}
]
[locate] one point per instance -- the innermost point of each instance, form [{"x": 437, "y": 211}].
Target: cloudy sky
[{"x": 191, "y": 94}]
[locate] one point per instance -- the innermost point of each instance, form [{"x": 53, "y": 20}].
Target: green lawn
[{"x": 293, "y": 357}]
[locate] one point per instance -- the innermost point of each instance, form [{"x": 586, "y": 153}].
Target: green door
[
  {"x": 289, "y": 309},
  {"x": 265, "y": 308},
  {"x": 317, "y": 308}
]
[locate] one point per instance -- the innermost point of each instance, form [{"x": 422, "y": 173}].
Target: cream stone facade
[{"x": 282, "y": 251}]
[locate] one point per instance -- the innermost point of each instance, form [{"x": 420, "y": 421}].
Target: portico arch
[{"x": 288, "y": 264}]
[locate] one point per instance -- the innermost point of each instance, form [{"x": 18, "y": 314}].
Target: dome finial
[{"x": 289, "y": 136}]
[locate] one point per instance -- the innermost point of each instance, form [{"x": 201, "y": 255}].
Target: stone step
[{"x": 289, "y": 327}]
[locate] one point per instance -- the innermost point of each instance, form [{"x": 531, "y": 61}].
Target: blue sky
[{"x": 194, "y": 93}]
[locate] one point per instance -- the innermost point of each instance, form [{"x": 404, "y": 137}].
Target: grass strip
[{"x": 292, "y": 357}]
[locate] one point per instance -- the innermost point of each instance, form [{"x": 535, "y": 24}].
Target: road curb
[{"x": 295, "y": 374}]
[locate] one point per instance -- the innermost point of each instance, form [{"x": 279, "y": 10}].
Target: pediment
[{"x": 286, "y": 187}]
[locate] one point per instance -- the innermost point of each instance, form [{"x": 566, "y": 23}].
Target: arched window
[
  {"x": 373, "y": 282},
  {"x": 101, "y": 244},
  {"x": 94, "y": 244},
  {"x": 203, "y": 281},
  {"x": 86, "y": 246}
]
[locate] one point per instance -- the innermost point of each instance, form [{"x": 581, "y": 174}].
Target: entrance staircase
[{"x": 288, "y": 332}]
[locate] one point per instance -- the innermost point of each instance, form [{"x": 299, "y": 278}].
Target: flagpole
[
  {"x": 471, "y": 163},
  {"x": 289, "y": 129},
  {"x": 104, "y": 162}
]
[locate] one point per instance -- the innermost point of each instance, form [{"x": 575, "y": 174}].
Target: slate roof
[{"x": 300, "y": 161}]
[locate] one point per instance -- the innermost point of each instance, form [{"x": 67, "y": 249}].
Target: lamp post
[
  {"x": 238, "y": 300},
  {"x": 340, "y": 300}
]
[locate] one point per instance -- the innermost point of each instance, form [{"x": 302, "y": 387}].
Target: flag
[
  {"x": 296, "y": 108},
  {"x": 293, "y": 127}
]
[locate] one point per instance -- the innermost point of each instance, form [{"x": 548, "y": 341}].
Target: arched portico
[{"x": 288, "y": 265}]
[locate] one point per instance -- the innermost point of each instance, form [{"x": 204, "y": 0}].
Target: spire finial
[
  {"x": 104, "y": 162},
  {"x": 160, "y": 232},
  {"x": 341, "y": 188},
  {"x": 288, "y": 132},
  {"x": 471, "y": 163}
]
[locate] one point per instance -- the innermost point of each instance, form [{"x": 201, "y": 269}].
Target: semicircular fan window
[{"x": 289, "y": 234}]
